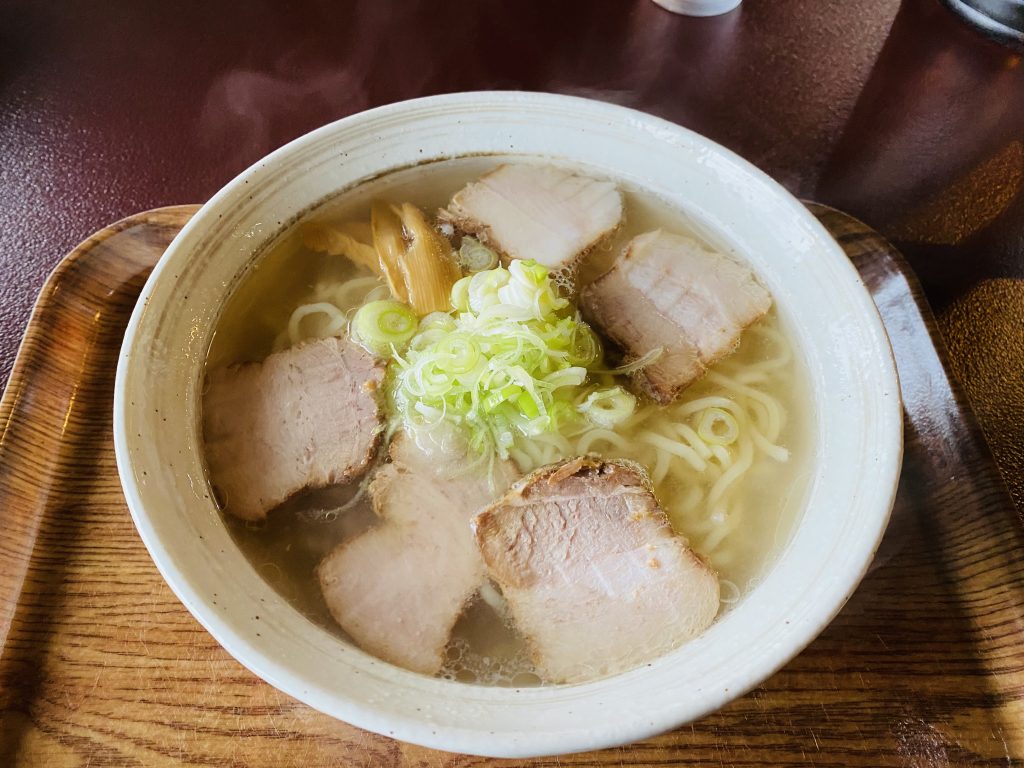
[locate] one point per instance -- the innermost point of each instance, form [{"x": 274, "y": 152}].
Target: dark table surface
[{"x": 896, "y": 112}]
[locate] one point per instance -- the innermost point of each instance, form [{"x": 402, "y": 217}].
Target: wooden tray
[{"x": 101, "y": 665}]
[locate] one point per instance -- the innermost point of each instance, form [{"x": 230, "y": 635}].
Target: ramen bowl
[{"x": 853, "y": 400}]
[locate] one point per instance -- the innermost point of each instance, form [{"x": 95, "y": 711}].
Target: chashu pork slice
[
  {"x": 306, "y": 417},
  {"x": 594, "y": 577},
  {"x": 673, "y": 292},
  {"x": 538, "y": 212},
  {"x": 399, "y": 588}
]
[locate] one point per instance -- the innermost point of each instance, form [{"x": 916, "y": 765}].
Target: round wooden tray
[{"x": 101, "y": 665}]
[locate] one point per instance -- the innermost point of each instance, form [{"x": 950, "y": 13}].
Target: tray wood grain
[{"x": 100, "y": 664}]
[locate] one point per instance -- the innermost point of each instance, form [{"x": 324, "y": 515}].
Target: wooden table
[
  {"x": 896, "y": 112},
  {"x": 893, "y": 111}
]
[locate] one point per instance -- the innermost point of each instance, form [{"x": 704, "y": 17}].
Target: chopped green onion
[
  {"x": 567, "y": 377},
  {"x": 507, "y": 364},
  {"x": 718, "y": 427},
  {"x": 381, "y": 326},
  {"x": 635, "y": 365},
  {"x": 460, "y": 294},
  {"x": 584, "y": 348},
  {"x": 608, "y": 407},
  {"x": 436, "y": 320},
  {"x": 528, "y": 405},
  {"x": 433, "y": 328},
  {"x": 457, "y": 353},
  {"x": 474, "y": 256}
]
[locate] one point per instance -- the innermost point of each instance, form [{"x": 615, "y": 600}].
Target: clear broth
[{"x": 286, "y": 547}]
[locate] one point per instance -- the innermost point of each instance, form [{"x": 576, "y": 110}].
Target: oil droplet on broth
[{"x": 486, "y": 650}]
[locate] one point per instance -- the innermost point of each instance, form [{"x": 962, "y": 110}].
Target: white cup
[{"x": 698, "y": 7}]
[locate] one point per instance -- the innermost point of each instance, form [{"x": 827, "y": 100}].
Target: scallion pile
[{"x": 510, "y": 360}]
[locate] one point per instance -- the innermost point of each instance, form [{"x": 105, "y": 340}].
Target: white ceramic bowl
[{"x": 858, "y": 430}]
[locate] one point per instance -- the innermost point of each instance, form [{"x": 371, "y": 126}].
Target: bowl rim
[{"x": 474, "y": 741}]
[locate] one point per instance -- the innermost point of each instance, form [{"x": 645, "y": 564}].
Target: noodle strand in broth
[
  {"x": 699, "y": 482},
  {"x": 726, "y": 459}
]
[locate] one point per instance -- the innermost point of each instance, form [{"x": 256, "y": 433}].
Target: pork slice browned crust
[
  {"x": 673, "y": 292},
  {"x": 594, "y": 577}
]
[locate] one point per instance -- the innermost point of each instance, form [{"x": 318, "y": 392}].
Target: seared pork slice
[
  {"x": 399, "y": 588},
  {"x": 673, "y": 292},
  {"x": 538, "y": 212},
  {"x": 594, "y": 577},
  {"x": 306, "y": 417}
]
